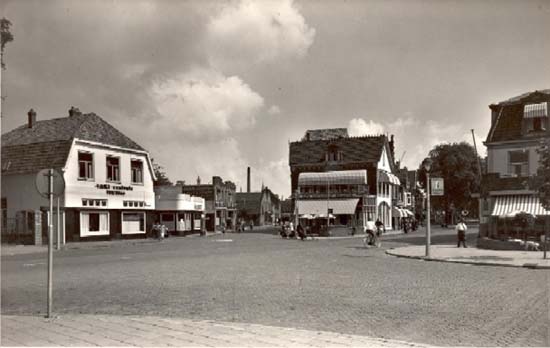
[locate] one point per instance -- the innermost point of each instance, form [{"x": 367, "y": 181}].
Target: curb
[{"x": 475, "y": 263}]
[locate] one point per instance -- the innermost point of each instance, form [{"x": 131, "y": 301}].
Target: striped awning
[
  {"x": 535, "y": 110},
  {"x": 342, "y": 177},
  {"x": 504, "y": 205},
  {"x": 319, "y": 207},
  {"x": 389, "y": 177},
  {"x": 398, "y": 212},
  {"x": 408, "y": 212}
]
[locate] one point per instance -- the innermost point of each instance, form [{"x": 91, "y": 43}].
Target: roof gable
[
  {"x": 82, "y": 126},
  {"x": 507, "y": 124},
  {"x": 354, "y": 149}
]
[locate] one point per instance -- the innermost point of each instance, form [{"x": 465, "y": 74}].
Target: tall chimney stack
[
  {"x": 248, "y": 179},
  {"x": 32, "y": 118}
]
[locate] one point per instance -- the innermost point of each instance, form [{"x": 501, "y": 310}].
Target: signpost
[
  {"x": 50, "y": 184},
  {"x": 437, "y": 187}
]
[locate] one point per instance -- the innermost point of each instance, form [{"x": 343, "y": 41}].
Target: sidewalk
[
  {"x": 10, "y": 249},
  {"x": 472, "y": 255},
  {"x": 148, "y": 331}
]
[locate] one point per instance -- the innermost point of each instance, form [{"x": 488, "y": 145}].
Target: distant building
[
  {"x": 108, "y": 178},
  {"x": 260, "y": 208},
  {"x": 350, "y": 179},
  {"x": 517, "y": 127},
  {"x": 181, "y": 213},
  {"x": 220, "y": 202}
]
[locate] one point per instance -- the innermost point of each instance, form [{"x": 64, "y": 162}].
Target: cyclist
[{"x": 371, "y": 237}]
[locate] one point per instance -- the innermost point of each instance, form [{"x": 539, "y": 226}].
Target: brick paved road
[{"x": 332, "y": 285}]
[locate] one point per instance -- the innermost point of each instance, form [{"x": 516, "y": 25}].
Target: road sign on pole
[
  {"x": 437, "y": 187},
  {"x": 50, "y": 184}
]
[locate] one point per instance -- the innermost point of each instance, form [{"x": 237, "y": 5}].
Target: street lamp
[{"x": 427, "y": 164}]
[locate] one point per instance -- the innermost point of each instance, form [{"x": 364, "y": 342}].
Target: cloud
[
  {"x": 274, "y": 110},
  {"x": 205, "y": 102},
  {"x": 359, "y": 127},
  {"x": 257, "y": 32},
  {"x": 414, "y": 138}
]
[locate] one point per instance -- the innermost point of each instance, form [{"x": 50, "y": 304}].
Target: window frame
[
  {"x": 140, "y": 171},
  {"x": 513, "y": 165},
  {"x": 107, "y": 168},
  {"x": 89, "y": 171}
]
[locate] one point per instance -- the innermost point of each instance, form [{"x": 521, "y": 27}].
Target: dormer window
[
  {"x": 535, "y": 117},
  {"x": 333, "y": 154}
]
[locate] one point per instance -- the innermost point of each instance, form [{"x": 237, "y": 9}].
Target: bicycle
[{"x": 371, "y": 240}]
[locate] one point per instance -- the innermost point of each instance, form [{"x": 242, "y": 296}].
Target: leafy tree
[
  {"x": 6, "y": 37},
  {"x": 162, "y": 178},
  {"x": 457, "y": 164},
  {"x": 543, "y": 173}
]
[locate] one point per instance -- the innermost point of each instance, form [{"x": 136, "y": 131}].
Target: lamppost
[{"x": 427, "y": 164}]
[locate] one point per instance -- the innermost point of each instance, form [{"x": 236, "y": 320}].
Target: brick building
[
  {"x": 220, "y": 205},
  {"x": 260, "y": 208},
  {"x": 348, "y": 178},
  {"x": 517, "y": 127}
]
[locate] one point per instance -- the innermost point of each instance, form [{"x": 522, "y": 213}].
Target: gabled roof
[
  {"x": 509, "y": 116},
  {"x": 354, "y": 149},
  {"x": 48, "y": 142},
  {"x": 250, "y": 202},
  {"x": 325, "y": 134}
]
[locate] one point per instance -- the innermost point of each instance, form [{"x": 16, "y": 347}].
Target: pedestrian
[
  {"x": 405, "y": 225},
  {"x": 461, "y": 229},
  {"x": 379, "y": 227},
  {"x": 301, "y": 233},
  {"x": 223, "y": 228}
]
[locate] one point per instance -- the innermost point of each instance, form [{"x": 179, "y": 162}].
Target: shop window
[
  {"x": 518, "y": 163},
  {"x": 93, "y": 224},
  {"x": 113, "y": 169},
  {"x": 85, "y": 166},
  {"x": 137, "y": 171},
  {"x": 133, "y": 223}
]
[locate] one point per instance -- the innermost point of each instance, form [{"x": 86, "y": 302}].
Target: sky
[{"x": 211, "y": 87}]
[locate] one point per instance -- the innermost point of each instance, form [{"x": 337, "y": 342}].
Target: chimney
[
  {"x": 198, "y": 180},
  {"x": 74, "y": 112},
  {"x": 248, "y": 179},
  {"x": 32, "y": 118}
]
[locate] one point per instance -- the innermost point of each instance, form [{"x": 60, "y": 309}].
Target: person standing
[{"x": 461, "y": 229}]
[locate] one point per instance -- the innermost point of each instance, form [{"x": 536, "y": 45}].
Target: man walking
[{"x": 461, "y": 229}]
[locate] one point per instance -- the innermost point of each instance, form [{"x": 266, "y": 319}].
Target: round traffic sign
[{"x": 43, "y": 181}]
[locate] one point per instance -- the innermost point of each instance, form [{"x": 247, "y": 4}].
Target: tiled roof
[
  {"x": 354, "y": 149},
  {"x": 83, "y": 126},
  {"x": 48, "y": 142},
  {"x": 326, "y": 134},
  {"x": 509, "y": 116},
  {"x": 249, "y": 202}
]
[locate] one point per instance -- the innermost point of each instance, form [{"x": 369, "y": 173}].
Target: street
[{"x": 333, "y": 285}]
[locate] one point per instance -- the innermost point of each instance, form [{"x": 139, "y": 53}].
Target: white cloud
[
  {"x": 257, "y": 31},
  {"x": 274, "y": 110},
  {"x": 205, "y": 102},
  {"x": 359, "y": 127}
]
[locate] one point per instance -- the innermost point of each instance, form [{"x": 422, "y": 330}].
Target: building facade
[
  {"x": 517, "y": 127},
  {"x": 181, "y": 213},
  {"x": 108, "y": 177},
  {"x": 259, "y": 208},
  {"x": 360, "y": 168},
  {"x": 220, "y": 205}
]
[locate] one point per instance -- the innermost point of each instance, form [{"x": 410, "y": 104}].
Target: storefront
[{"x": 181, "y": 213}]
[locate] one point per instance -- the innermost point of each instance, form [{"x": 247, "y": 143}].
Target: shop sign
[
  {"x": 198, "y": 206},
  {"x": 437, "y": 187},
  {"x": 115, "y": 190}
]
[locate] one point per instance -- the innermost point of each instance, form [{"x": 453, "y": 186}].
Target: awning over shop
[
  {"x": 535, "y": 110},
  {"x": 342, "y": 177},
  {"x": 389, "y": 177},
  {"x": 319, "y": 207},
  {"x": 408, "y": 212},
  {"x": 398, "y": 212},
  {"x": 510, "y": 203}
]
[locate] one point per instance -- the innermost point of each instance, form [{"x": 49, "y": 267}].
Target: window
[
  {"x": 518, "y": 163},
  {"x": 85, "y": 166},
  {"x": 137, "y": 171},
  {"x": 133, "y": 223},
  {"x": 113, "y": 169},
  {"x": 86, "y": 202},
  {"x": 94, "y": 224}
]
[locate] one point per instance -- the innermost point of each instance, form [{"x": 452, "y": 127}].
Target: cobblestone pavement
[
  {"x": 323, "y": 285},
  {"x": 104, "y": 330}
]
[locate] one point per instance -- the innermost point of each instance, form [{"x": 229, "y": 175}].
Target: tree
[
  {"x": 457, "y": 164},
  {"x": 543, "y": 173},
  {"x": 162, "y": 178},
  {"x": 6, "y": 37}
]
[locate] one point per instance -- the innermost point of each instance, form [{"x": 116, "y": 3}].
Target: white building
[
  {"x": 181, "y": 213},
  {"x": 108, "y": 177}
]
